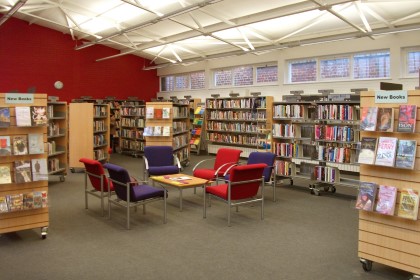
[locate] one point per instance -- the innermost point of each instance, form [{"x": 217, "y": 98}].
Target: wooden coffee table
[{"x": 180, "y": 181}]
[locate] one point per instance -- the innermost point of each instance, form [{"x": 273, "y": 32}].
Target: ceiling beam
[{"x": 12, "y": 11}]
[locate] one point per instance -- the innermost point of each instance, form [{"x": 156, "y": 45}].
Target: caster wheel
[
  {"x": 326, "y": 189},
  {"x": 333, "y": 189},
  {"x": 367, "y": 265},
  {"x": 316, "y": 192}
]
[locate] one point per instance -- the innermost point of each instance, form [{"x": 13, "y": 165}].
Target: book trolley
[
  {"x": 389, "y": 239},
  {"x": 30, "y": 211}
]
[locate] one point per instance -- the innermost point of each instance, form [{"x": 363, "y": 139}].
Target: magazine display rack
[
  {"x": 57, "y": 139},
  {"x": 23, "y": 194},
  {"x": 197, "y": 127},
  {"x": 390, "y": 239},
  {"x": 89, "y": 126}
]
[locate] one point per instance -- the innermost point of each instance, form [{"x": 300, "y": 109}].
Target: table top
[{"x": 180, "y": 180}]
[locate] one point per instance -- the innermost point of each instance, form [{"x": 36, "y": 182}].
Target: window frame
[
  {"x": 404, "y": 56},
  {"x": 174, "y": 83}
]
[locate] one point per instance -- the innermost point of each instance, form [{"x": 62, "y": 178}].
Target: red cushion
[
  {"x": 226, "y": 155},
  {"x": 207, "y": 174},
  {"x": 95, "y": 167}
]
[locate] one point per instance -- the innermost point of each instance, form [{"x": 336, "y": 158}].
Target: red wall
[{"x": 35, "y": 56}]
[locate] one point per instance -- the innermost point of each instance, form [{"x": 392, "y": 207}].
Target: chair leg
[
  {"x": 204, "y": 203},
  {"x": 128, "y": 215},
  {"x": 229, "y": 206},
  {"x": 237, "y": 208},
  {"x": 164, "y": 206},
  {"x": 102, "y": 204},
  {"x": 274, "y": 189}
]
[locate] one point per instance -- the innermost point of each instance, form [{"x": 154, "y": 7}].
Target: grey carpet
[{"x": 301, "y": 237}]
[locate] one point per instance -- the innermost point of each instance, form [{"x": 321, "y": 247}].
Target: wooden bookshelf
[{"x": 57, "y": 139}]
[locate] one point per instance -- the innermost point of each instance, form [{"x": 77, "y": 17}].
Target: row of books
[
  {"x": 53, "y": 129},
  {"x": 233, "y": 115},
  {"x": 22, "y": 144},
  {"x": 325, "y": 174},
  {"x": 134, "y": 134},
  {"x": 157, "y": 131},
  {"x": 180, "y": 141},
  {"x": 25, "y": 116},
  {"x": 334, "y": 133},
  {"x": 289, "y": 111},
  {"x": 259, "y": 102},
  {"x": 179, "y": 127},
  {"x": 99, "y": 154},
  {"x": 235, "y": 139},
  {"x": 99, "y": 111},
  {"x": 383, "y": 198},
  {"x": 286, "y": 149},
  {"x": 132, "y": 145},
  {"x": 382, "y": 119},
  {"x": 388, "y": 151},
  {"x": 99, "y": 126},
  {"x": 239, "y": 127},
  {"x": 158, "y": 113},
  {"x": 336, "y": 112},
  {"x": 283, "y": 130},
  {"x": 128, "y": 122},
  {"x": 53, "y": 164},
  {"x": 24, "y": 171},
  {"x": 284, "y": 168},
  {"x": 99, "y": 140},
  {"x": 335, "y": 154},
  {"x": 25, "y": 201},
  {"x": 133, "y": 111}
]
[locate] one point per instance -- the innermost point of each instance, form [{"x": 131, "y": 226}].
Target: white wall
[{"x": 394, "y": 42}]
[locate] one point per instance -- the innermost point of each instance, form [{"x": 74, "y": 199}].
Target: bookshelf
[
  {"x": 170, "y": 128},
  {"x": 197, "y": 126},
  {"x": 389, "y": 239},
  {"x": 238, "y": 122},
  {"x": 57, "y": 139},
  {"x": 28, "y": 207},
  {"x": 132, "y": 126},
  {"x": 89, "y": 126}
]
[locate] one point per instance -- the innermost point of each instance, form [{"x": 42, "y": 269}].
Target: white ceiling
[{"x": 185, "y": 31}]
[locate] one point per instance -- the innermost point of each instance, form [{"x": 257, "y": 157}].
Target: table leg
[{"x": 180, "y": 200}]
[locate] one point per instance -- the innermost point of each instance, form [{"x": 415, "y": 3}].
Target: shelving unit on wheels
[
  {"x": 57, "y": 138},
  {"x": 389, "y": 239},
  {"x": 23, "y": 184}
]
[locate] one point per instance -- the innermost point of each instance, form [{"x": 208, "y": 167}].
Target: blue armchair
[{"x": 160, "y": 160}]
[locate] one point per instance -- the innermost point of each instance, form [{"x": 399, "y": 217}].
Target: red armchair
[{"x": 225, "y": 158}]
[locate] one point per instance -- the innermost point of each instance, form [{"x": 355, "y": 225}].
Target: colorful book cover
[
  {"x": 166, "y": 112},
  {"x": 37, "y": 199},
  {"x": 5, "y": 146},
  {"x": 368, "y": 118},
  {"x": 20, "y": 145},
  {"x": 5, "y": 176},
  {"x": 158, "y": 113},
  {"x": 157, "y": 131},
  {"x": 39, "y": 115},
  {"x": 386, "y": 151},
  {"x": 36, "y": 143},
  {"x": 44, "y": 195},
  {"x": 23, "y": 171},
  {"x": 407, "y": 118},
  {"x": 39, "y": 169},
  {"x": 387, "y": 196},
  {"x": 385, "y": 120},
  {"x": 4, "y": 117},
  {"x": 166, "y": 131},
  {"x": 406, "y": 154},
  {"x": 366, "y": 196},
  {"x": 408, "y": 204},
  {"x": 28, "y": 201},
  {"x": 148, "y": 131},
  {"x": 3, "y": 204},
  {"x": 150, "y": 112},
  {"x": 15, "y": 202},
  {"x": 23, "y": 116},
  {"x": 367, "y": 150}
]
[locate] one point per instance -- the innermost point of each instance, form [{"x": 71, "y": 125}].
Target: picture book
[
  {"x": 158, "y": 113},
  {"x": 385, "y": 120},
  {"x": 407, "y": 118},
  {"x": 387, "y": 196},
  {"x": 5, "y": 147},
  {"x": 3, "y": 204},
  {"x": 368, "y": 118},
  {"x": 366, "y": 196},
  {"x": 386, "y": 151},
  {"x": 4, "y": 117},
  {"x": 37, "y": 199},
  {"x": 39, "y": 115},
  {"x": 23, "y": 116},
  {"x": 28, "y": 201},
  {"x": 5, "y": 177},
  {"x": 367, "y": 150},
  {"x": 150, "y": 112},
  {"x": 15, "y": 202},
  {"x": 20, "y": 145},
  {"x": 408, "y": 204},
  {"x": 36, "y": 143},
  {"x": 157, "y": 131},
  {"x": 23, "y": 171},
  {"x": 166, "y": 131},
  {"x": 166, "y": 112},
  {"x": 39, "y": 169},
  {"x": 406, "y": 154}
]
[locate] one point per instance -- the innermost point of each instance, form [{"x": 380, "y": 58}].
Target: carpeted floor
[{"x": 302, "y": 237}]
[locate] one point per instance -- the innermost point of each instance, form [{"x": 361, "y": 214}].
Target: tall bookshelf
[
  {"x": 89, "y": 126},
  {"x": 390, "y": 239},
  {"x": 238, "y": 122},
  {"x": 57, "y": 139},
  {"x": 178, "y": 122},
  {"x": 30, "y": 199},
  {"x": 197, "y": 126},
  {"x": 132, "y": 126}
]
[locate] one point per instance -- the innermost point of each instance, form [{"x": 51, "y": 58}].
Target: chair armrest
[
  {"x": 223, "y": 165},
  {"x": 228, "y": 170},
  {"x": 146, "y": 163},
  {"x": 178, "y": 163},
  {"x": 200, "y": 162}
]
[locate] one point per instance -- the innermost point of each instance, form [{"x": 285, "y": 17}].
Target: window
[
  {"x": 302, "y": 71},
  {"x": 197, "y": 80},
  {"x": 247, "y": 75},
  {"x": 189, "y": 81},
  {"x": 243, "y": 76},
  {"x": 413, "y": 62},
  {"x": 167, "y": 83},
  {"x": 371, "y": 65},
  {"x": 182, "y": 82},
  {"x": 334, "y": 68},
  {"x": 223, "y": 77},
  {"x": 267, "y": 74}
]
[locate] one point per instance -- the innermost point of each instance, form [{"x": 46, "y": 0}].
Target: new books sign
[
  {"x": 15, "y": 98},
  {"x": 391, "y": 96}
]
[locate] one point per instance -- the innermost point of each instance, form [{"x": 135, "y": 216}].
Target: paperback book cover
[
  {"x": 37, "y": 199},
  {"x": 150, "y": 112},
  {"x": 157, "y": 131},
  {"x": 23, "y": 116},
  {"x": 407, "y": 118},
  {"x": 4, "y": 117},
  {"x": 23, "y": 171},
  {"x": 36, "y": 143},
  {"x": 386, "y": 151},
  {"x": 15, "y": 202},
  {"x": 367, "y": 150},
  {"x": 406, "y": 154},
  {"x": 5, "y": 147},
  {"x": 166, "y": 131},
  {"x": 5, "y": 176},
  {"x": 385, "y": 120},
  {"x": 3, "y": 204},
  {"x": 28, "y": 201},
  {"x": 39, "y": 169},
  {"x": 387, "y": 196},
  {"x": 166, "y": 112},
  {"x": 148, "y": 131},
  {"x": 368, "y": 118},
  {"x": 158, "y": 113},
  {"x": 409, "y": 204},
  {"x": 366, "y": 196},
  {"x": 39, "y": 116},
  {"x": 20, "y": 145}
]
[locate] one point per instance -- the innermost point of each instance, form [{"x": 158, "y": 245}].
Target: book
[
  {"x": 4, "y": 117},
  {"x": 408, "y": 204},
  {"x": 387, "y": 196},
  {"x": 20, "y": 145},
  {"x": 5, "y": 177},
  {"x": 5, "y": 147},
  {"x": 407, "y": 118},
  {"x": 158, "y": 113},
  {"x": 148, "y": 131},
  {"x": 44, "y": 196},
  {"x": 368, "y": 118},
  {"x": 166, "y": 112},
  {"x": 150, "y": 112},
  {"x": 3, "y": 204},
  {"x": 406, "y": 154},
  {"x": 366, "y": 196},
  {"x": 385, "y": 120},
  {"x": 166, "y": 131},
  {"x": 386, "y": 151},
  {"x": 23, "y": 116},
  {"x": 367, "y": 150},
  {"x": 39, "y": 169},
  {"x": 37, "y": 199},
  {"x": 157, "y": 131},
  {"x": 15, "y": 202},
  {"x": 28, "y": 200},
  {"x": 36, "y": 143},
  {"x": 39, "y": 115},
  {"x": 23, "y": 171}
]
